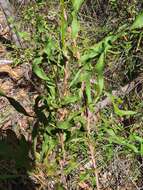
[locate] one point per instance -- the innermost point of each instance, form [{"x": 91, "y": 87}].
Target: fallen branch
[
  {"x": 8, "y": 12},
  {"x": 5, "y": 62},
  {"x": 122, "y": 92}
]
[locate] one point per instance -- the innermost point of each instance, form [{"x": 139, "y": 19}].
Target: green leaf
[
  {"x": 48, "y": 145},
  {"x": 123, "y": 112},
  {"x": 138, "y": 23},
  {"x": 132, "y": 147},
  {"x": 2, "y": 93},
  {"x": 119, "y": 111},
  {"x": 37, "y": 70},
  {"x": 100, "y": 79},
  {"x": 77, "y": 4},
  {"x": 59, "y": 187},
  {"x": 134, "y": 137},
  {"x": 141, "y": 149},
  {"x": 75, "y": 27},
  {"x": 24, "y": 35},
  {"x": 75, "y": 24},
  {"x": 64, "y": 25},
  {"x": 100, "y": 85},
  {"x": 92, "y": 52},
  {"x": 37, "y": 61},
  {"x": 80, "y": 76},
  {"x": 100, "y": 65},
  {"x": 75, "y": 79},
  {"x": 63, "y": 125},
  {"x": 88, "y": 91},
  {"x": 80, "y": 119},
  {"x": 73, "y": 115},
  {"x": 70, "y": 99},
  {"x": 138, "y": 138},
  {"x": 40, "y": 72},
  {"x": 99, "y": 48},
  {"x": 71, "y": 166},
  {"x": 50, "y": 48}
]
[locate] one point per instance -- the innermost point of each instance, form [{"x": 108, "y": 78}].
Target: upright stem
[
  {"x": 92, "y": 150},
  {"x": 65, "y": 85},
  {"x": 87, "y": 115}
]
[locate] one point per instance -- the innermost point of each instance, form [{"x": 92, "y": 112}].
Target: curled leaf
[{"x": 39, "y": 71}]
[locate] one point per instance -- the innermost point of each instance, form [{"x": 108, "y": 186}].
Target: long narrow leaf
[
  {"x": 99, "y": 48},
  {"x": 77, "y": 4}
]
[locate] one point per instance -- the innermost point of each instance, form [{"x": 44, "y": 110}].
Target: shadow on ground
[{"x": 16, "y": 161}]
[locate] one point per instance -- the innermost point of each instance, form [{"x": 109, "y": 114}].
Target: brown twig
[{"x": 121, "y": 92}]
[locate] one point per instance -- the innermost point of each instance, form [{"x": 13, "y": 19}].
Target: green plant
[{"x": 67, "y": 133}]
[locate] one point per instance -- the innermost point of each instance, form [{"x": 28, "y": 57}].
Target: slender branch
[
  {"x": 121, "y": 92},
  {"x": 8, "y": 12}
]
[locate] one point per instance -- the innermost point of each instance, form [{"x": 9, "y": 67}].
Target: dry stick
[
  {"x": 122, "y": 92},
  {"x": 62, "y": 161},
  {"x": 8, "y": 12},
  {"x": 5, "y": 62}
]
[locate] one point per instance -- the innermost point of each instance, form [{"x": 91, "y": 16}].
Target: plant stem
[{"x": 92, "y": 150}]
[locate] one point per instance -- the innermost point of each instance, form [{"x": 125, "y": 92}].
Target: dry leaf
[
  {"x": 7, "y": 69},
  {"x": 84, "y": 186}
]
